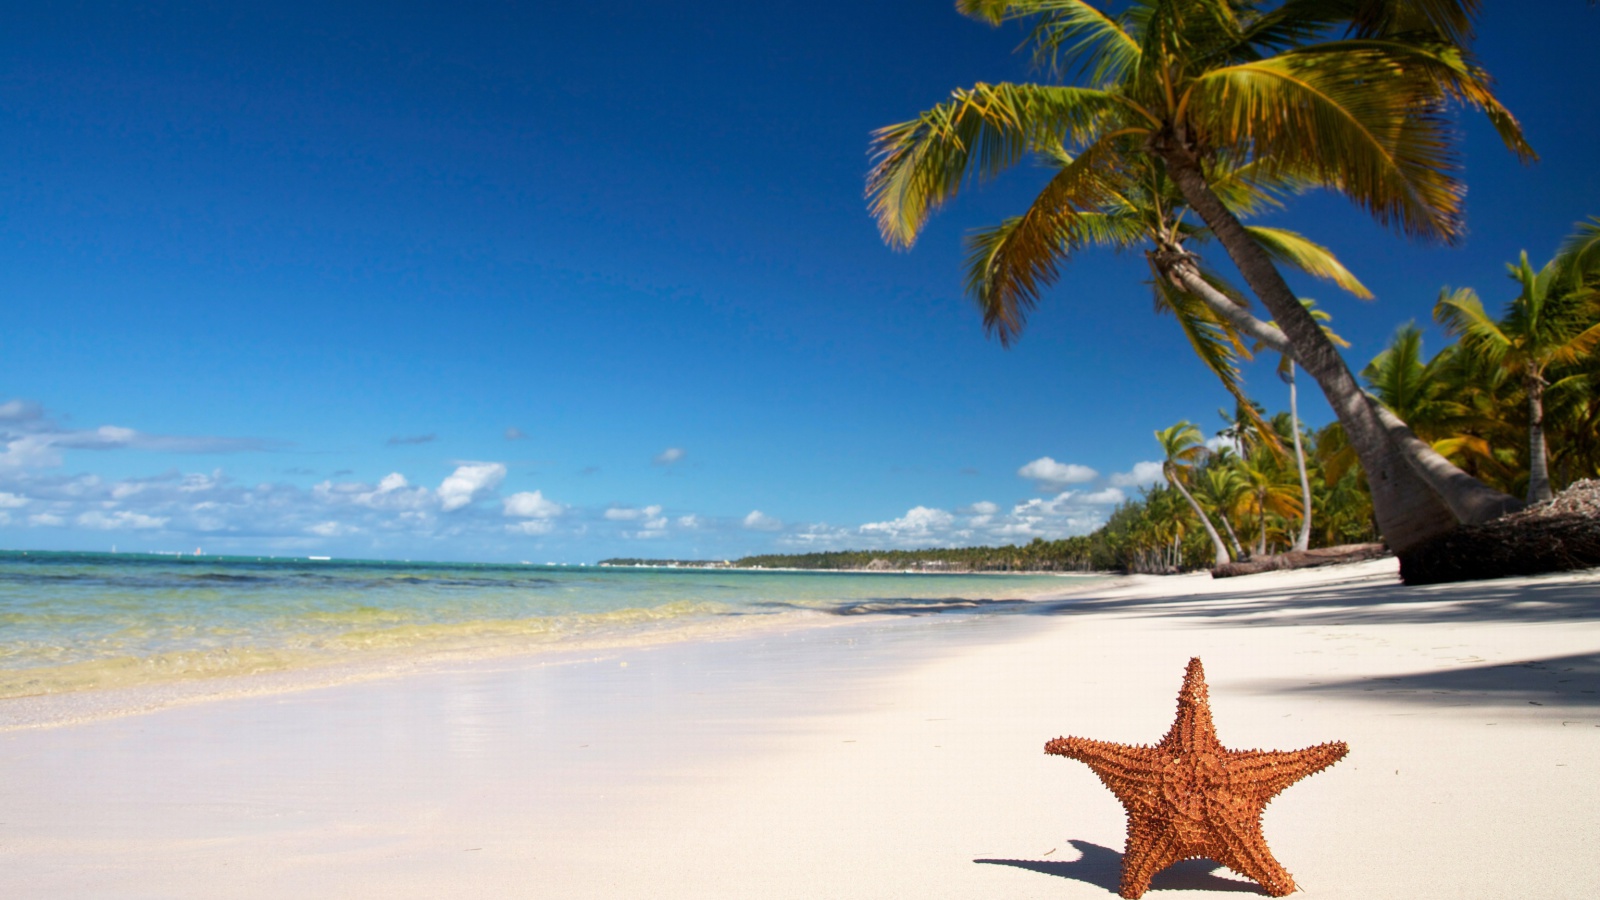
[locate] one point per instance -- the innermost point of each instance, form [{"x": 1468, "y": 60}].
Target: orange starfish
[{"x": 1189, "y": 797}]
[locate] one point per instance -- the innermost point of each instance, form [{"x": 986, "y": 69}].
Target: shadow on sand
[
  {"x": 1557, "y": 681},
  {"x": 1102, "y": 867}
]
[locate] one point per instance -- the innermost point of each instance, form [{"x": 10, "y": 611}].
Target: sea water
[{"x": 75, "y": 621}]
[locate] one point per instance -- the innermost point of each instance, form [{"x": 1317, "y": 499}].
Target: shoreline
[
  {"x": 876, "y": 756},
  {"x": 75, "y": 706}
]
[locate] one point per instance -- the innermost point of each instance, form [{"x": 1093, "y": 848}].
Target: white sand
[{"x": 883, "y": 758}]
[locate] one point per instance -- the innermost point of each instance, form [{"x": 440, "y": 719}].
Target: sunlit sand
[{"x": 874, "y": 757}]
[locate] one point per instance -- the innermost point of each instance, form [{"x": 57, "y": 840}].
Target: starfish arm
[
  {"x": 1127, "y": 770},
  {"x": 1240, "y": 847},
  {"x": 1152, "y": 846},
  {"x": 1263, "y": 774}
]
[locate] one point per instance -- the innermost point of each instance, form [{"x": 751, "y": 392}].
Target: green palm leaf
[
  {"x": 978, "y": 132},
  {"x": 1308, "y": 256}
]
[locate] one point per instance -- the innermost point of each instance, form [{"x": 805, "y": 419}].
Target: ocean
[{"x": 81, "y": 621}]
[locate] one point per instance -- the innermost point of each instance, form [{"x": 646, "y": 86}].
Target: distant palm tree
[
  {"x": 1453, "y": 401},
  {"x": 1267, "y": 492},
  {"x": 1183, "y": 448},
  {"x": 1221, "y": 488},
  {"x": 1553, "y": 321},
  {"x": 1190, "y": 89}
]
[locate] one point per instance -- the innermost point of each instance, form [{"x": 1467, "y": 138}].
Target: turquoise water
[{"x": 73, "y": 621}]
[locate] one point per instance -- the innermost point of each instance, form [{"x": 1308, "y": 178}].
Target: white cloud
[
  {"x": 760, "y": 521},
  {"x": 1143, "y": 473},
  {"x": 11, "y": 501},
  {"x": 1219, "y": 442},
  {"x": 669, "y": 456},
  {"x": 47, "y": 519},
  {"x": 1049, "y": 475},
  {"x": 629, "y": 514},
  {"x": 328, "y": 529},
  {"x": 689, "y": 521},
  {"x": 1110, "y": 495},
  {"x": 468, "y": 483},
  {"x": 30, "y": 451},
  {"x": 532, "y": 505},
  {"x": 981, "y": 508},
  {"x": 532, "y": 527},
  {"x": 919, "y": 523},
  {"x": 118, "y": 520}
]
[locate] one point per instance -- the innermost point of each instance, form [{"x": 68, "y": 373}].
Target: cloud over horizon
[{"x": 1049, "y": 475}]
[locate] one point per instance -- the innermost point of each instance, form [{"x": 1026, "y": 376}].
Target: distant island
[{"x": 1074, "y": 554}]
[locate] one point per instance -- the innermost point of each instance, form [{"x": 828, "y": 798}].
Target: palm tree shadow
[{"x": 1102, "y": 867}]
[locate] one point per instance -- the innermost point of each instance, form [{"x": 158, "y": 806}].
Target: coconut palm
[
  {"x": 1183, "y": 448},
  {"x": 1553, "y": 321},
  {"x": 1220, "y": 488},
  {"x": 1452, "y": 400},
  {"x": 1188, "y": 89},
  {"x": 1267, "y": 491}
]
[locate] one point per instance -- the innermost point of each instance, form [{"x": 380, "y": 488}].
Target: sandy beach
[{"x": 884, "y": 756}]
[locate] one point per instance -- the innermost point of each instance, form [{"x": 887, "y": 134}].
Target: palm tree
[
  {"x": 1452, "y": 401},
  {"x": 1552, "y": 321},
  {"x": 1183, "y": 447},
  {"x": 1188, "y": 89},
  {"x": 1266, "y": 491},
  {"x": 1221, "y": 488}
]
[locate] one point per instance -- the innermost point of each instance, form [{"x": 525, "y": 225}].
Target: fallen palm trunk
[
  {"x": 1302, "y": 559},
  {"x": 1558, "y": 535}
]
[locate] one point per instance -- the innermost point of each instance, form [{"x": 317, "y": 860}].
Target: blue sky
[{"x": 497, "y": 282}]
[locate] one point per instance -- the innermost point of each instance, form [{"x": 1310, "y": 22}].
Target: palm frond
[
  {"x": 1354, "y": 120},
  {"x": 1008, "y": 265},
  {"x": 1293, "y": 249},
  {"x": 921, "y": 163},
  {"x": 1450, "y": 72},
  {"x": 1462, "y": 314},
  {"x": 1213, "y": 340},
  {"x": 1580, "y": 252},
  {"x": 1070, "y": 35}
]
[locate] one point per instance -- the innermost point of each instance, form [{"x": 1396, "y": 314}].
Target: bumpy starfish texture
[{"x": 1188, "y": 797}]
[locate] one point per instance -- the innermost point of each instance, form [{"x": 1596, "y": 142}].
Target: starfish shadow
[{"x": 1102, "y": 867}]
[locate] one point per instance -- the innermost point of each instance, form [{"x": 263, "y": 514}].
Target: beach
[{"x": 877, "y": 755}]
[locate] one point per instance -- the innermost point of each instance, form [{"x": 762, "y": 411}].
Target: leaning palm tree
[
  {"x": 1183, "y": 447},
  {"x": 1553, "y": 321},
  {"x": 1188, "y": 89}
]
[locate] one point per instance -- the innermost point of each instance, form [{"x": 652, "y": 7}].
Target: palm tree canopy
[{"x": 1241, "y": 80}]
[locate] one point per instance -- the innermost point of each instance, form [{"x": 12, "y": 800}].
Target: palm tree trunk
[
  {"x": 1472, "y": 501},
  {"x": 1261, "y": 522},
  {"x": 1408, "y": 509},
  {"x": 1233, "y": 538},
  {"x": 1303, "y": 540},
  {"x": 1538, "y": 463},
  {"x": 1169, "y": 470}
]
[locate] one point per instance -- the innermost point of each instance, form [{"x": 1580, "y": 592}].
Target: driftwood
[
  {"x": 1555, "y": 536},
  {"x": 1302, "y": 559}
]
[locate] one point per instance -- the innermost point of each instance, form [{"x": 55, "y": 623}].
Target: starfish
[{"x": 1188, "y": 797}]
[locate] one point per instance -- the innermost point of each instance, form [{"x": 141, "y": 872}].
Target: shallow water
[{"x": 73, "y": 621}]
